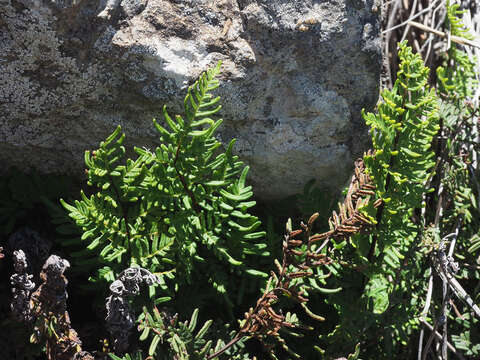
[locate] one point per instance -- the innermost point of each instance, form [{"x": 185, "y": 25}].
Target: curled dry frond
[
  {"x": 263, "y": 320},
  {"x": 349, "y": 220}
]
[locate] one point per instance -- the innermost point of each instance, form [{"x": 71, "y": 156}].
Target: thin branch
[
  {"x": 405, "y": 31},
  {"x": 460, "y": 292},
  {"x": 445, "y": 290},
  {"x": 430, "y": 338},
  {"x": 427, "y": 9},
  {"x": 439, "y": 337},
  {"x": 444, "y": 264},
  {"x": 444, "y": 317},
  {"x": 431, "y": 37},
  {"x": 428, "y": 301},
  {"x": 391, "y": 19},
  {"x": 456, "y": 39},
  {"x": 455, "y": 309},
  {"x": 317, "y": 251},
  {"x": 237, "y": 337},
  {"x": 454, "y": 240}
]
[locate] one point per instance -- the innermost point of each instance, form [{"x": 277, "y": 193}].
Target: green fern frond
[
  {"x": 400, "y": 166},
  {"x": 458, "y": 79},
  {"x": 183, "y": 207},
  {"x": 453, "y": 22},
  {"x": 402, "y": 134}
]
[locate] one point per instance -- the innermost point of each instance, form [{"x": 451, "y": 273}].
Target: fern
[
  {"x": 386, "y": 269},
  {"x": 457, "y": 75},
  {"x": 400, "y": 165},
  {"x": 181, "y": 210},
  {"x": 183, "y": 342},
  {"x": 458, "y": 189},
  {"x": 171, "y": 339},
  {"x": 402, "y": 134}
]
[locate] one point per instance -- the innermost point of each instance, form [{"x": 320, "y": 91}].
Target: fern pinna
[{"x": 181, "y": 211}]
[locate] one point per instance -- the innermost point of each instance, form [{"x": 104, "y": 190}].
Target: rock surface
[{"x": 295, "y": 76}]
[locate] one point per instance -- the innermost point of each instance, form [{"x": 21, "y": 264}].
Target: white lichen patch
[
  {"x": 177, "y": 59},
  {"x": 294, "y": 78}
]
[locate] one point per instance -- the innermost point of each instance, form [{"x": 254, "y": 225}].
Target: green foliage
[
  {"x": 402, "y": 134},
  {"x": 456, "y": 170},
  {"x": 454, "y": 23},
  {"x": 467, "y": 336},
  {"x": 137, "y": 356},
  {"x": 457, "y": 184},
  {"x": 183, "y": 342},
  {"x": 395, "y": 257},
  {"x": 371, "y": 277},
  {"x": 181, "y": 210},
  {"x": 457, "y": 83},
  {"x": 457, "y": 75},
  {"x": 170, "y": 339},
  {"x": 373, "y": 299}
]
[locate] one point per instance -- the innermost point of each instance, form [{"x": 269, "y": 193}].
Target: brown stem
[
  {"x": 241, "y": 333},
  {"x": 232, "y": 342},
  {"x": 265, "y": 301},
  {"x": 309, "y": 244},
  {"x": 177, "y": 152}
]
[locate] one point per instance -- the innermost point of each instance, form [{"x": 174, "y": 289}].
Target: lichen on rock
[{"x": 294, "y": 78}]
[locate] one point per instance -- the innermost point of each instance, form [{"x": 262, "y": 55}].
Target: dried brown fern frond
[
  {"x": 299, "y": 261},
  {"x": 262, "y": 320},
  {"x": 349, "y": 220}
]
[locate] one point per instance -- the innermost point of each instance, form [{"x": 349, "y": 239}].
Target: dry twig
[
  {"x": 455, "y": 39},
  {"x": 439, "y": 337}
]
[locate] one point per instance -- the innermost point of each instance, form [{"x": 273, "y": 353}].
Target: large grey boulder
[{"x": 295, "y": 76}]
